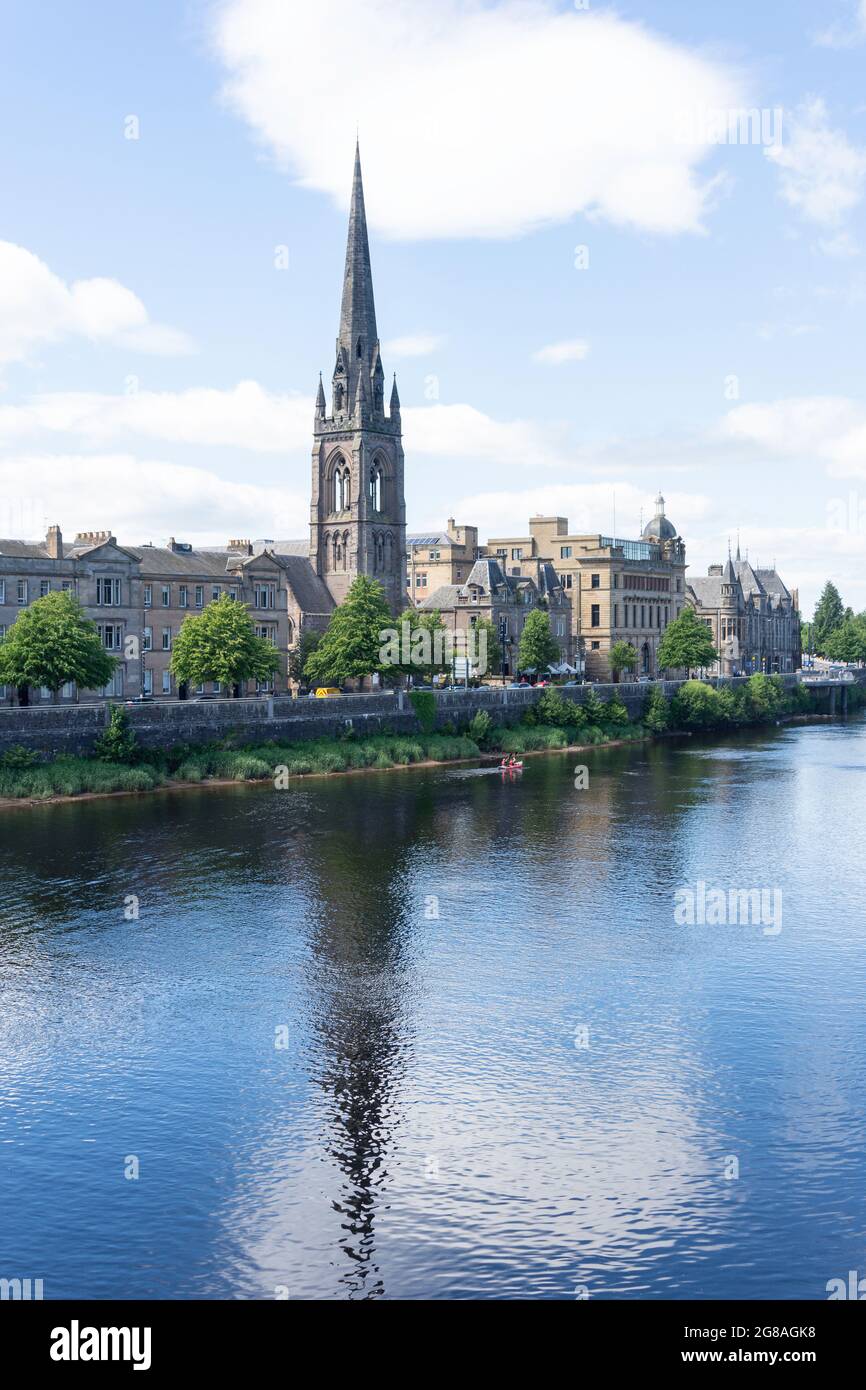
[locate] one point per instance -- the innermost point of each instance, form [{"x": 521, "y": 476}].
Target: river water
[{"x": 439, "y": 1033}]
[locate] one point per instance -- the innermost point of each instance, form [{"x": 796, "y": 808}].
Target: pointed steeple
[
  {"x": 361, "y": 397},
  {"x": 358, "y": 333},
  {"x": 394, "y": 407},
  {"x": 321, "y": 404}
]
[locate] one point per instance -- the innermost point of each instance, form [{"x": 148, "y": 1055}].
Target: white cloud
[
  {"x": 37, "y": 307},
  {"x": 822, "y": 175},
  {"x": 139, "y": 499},
  {"x": 588, "y": 507},
  {"x": 847, "y": 35},
  {"x": 244, "y": 417},
  {"x": 574, "y": 350},
  {"x": 248, "y": 417},
  {"x": 830, "y": 428},
  {"x": 478, "y": 121},
  {"x": 462, "y": 432},
  {"x": 413, "y": 345}
]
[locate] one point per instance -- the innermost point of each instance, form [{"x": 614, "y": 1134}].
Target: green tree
[
  {"x": 298, "y": 655},
  {"x": 537, "y": 645},
  {"x": 53, "y": 642},
  {"x": 657, "y": 714},
  {"x": 695, "y": 706},
  {"x": 623, "y": 657},
  {"x": 422, "y": 655},
  {"x": 352, "y": 647},
  {"x": 686, "y": 644},
  {"x": 118, "y": 744},
  {"x": 220, "y": 644},
  {"x": 848, "y": 641},
  {"x": 829, "y": 615}
]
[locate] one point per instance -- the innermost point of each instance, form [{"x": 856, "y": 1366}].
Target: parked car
[
  {"x": 140, "y": 700},
  {"x": 326, "y": 692}
]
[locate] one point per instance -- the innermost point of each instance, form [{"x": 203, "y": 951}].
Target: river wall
[{"x": 73, "y": 729}]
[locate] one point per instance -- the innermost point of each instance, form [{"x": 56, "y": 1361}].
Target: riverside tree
[
  {"x": 848, "y": 641},
  {"x": 350, "y": 649},
  {"x": 623, "y": 657},
  {"x": 538, "y": 647},
  {"x": 52, "y": 643},
  {"x": 220, "y": 644},
  {"x": 687, "y": 644},
  {"x": 829, "y": 615}
]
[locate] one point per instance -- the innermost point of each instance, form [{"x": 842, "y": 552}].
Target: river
[{"x": 438, "y": 1033}]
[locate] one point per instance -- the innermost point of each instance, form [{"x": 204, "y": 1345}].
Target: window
[
  {"x": 44, "y": 587},
  {"x": 166, "y": 682},
  {"x": 147, "y": 643},
  {"x": 148, "y": 683},
  {"x": 560, "y": 627},
  {"x": 111, "y": 635},
  {"x": 616, "y": 581},
  {"x": 148, "y": 595},
  {"x": 68, "y": 690},
  {"x": 616, "y": 615},
  {"x": 2, "y": 590},
  {"x": 199, "y": 690},
  {"x": 199, "y": 596},
  {"x": 595, "y": 620},
  {"x": 267, "y": 632},
  {"x": 376, "y": 486},
  {"x": 566, "y": 580},
  {"x": 517, "y": 552},
  {"x": 166, "y": 639},
  {"x": 115, "y": 685},
  {"x": 642, "y": 616},
  {"x": 420, "y": 581},
  {"x": 166, "y": 596},
  {"x": 595, "y": 646},
  {"x": 183, "y": 597},
  {"x": 264, "y": 596},
  {"x": 217, "y": 688},
  {"x": 22, "y": 592},
  {"x": 501, "y": 551},
  {"x": 215, "y": 593},
  {"x": 233, "y": 594},
  {"x": 565, "y": 552},
  {"x": 108, "y": 592},
  {"x": 595, "y": 581}
]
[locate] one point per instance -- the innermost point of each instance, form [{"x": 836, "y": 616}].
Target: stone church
[{"x": 357, "y": 507}]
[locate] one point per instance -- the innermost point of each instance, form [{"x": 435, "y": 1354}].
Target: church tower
[{"x": 358, "y": 511}]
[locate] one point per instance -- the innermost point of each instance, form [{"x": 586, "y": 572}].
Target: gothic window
[
  {"x": 378, "y": 398},
  {"x": 326, "y": 550},
  {"x": 345, "y": 550},
  {"x": 389, "y": 551},
  {"x": 290, "y": 632},
  {"x": 338, "y": 396},
  {"x": 376, "y": 486},
  {"x": 338, "y": 552},
  {"x": 359, "y": 350},
  {"x": 378, "y": 552}
]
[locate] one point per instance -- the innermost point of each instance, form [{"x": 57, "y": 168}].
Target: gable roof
[{"x": 310, "y": 591}]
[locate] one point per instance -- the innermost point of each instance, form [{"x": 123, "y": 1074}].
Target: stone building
[
  {"x": 138, "y": 597},
  {"x": 441, "y": 557},
  {"x": 619, "y": 590},
  {"x": 506, "y": 600},
  {"x": 753, "y": 617}
]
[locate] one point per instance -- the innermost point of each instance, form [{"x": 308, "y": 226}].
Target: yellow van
[{"x": 324, "y": 692}]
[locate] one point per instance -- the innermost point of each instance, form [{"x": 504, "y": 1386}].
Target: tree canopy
[
  {"x": 687, "y": 643},
  {"x": 351, "y": 647},
  {"x": 623, "y": 657},
  {"x": 538, "y": 647},
  {"x": 829, "y": 615},
  {"x": 847, "y": 642},
  {"x": 220, "y": 644},
  {"x": 53, "y": 642}
]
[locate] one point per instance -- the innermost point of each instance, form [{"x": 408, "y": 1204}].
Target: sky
[{"x": 593, "y": 280}]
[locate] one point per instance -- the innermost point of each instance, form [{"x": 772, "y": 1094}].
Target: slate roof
[
  {"x": 310, "y": 591},
  {"x": 446, "y": 596}
]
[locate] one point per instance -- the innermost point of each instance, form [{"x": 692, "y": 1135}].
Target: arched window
[
  {"x": 347, "y": 489},
  {"x": 338, "y": 552},
  {"x": 339, "y": 502},
  {"x": 376, "y": 486},
  {"x": 378, "y": 552},
  {"x": 326, "y": 550},
  {"x": 290, "y": 633},
  {"x": 359, "y": 351},
  {"x": 345, "y": 550},
  {"x": 338, "y": 397}
]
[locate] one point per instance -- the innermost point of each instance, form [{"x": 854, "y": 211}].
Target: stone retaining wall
[{"x": 73, "y": 728}]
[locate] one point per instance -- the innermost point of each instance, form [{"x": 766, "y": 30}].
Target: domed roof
[{"x": 660, "y": 529}]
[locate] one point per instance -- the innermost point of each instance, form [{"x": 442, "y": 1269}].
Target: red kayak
[{"x": 511, "y": 767}]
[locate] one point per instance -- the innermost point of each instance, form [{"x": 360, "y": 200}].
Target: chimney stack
[{"x": 54, "y": 543}]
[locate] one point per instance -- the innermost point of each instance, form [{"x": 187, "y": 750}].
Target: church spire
[{"x": 358, "y": 333}]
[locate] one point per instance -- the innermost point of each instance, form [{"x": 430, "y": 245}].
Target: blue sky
[{"x": 158, "y": 358}]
